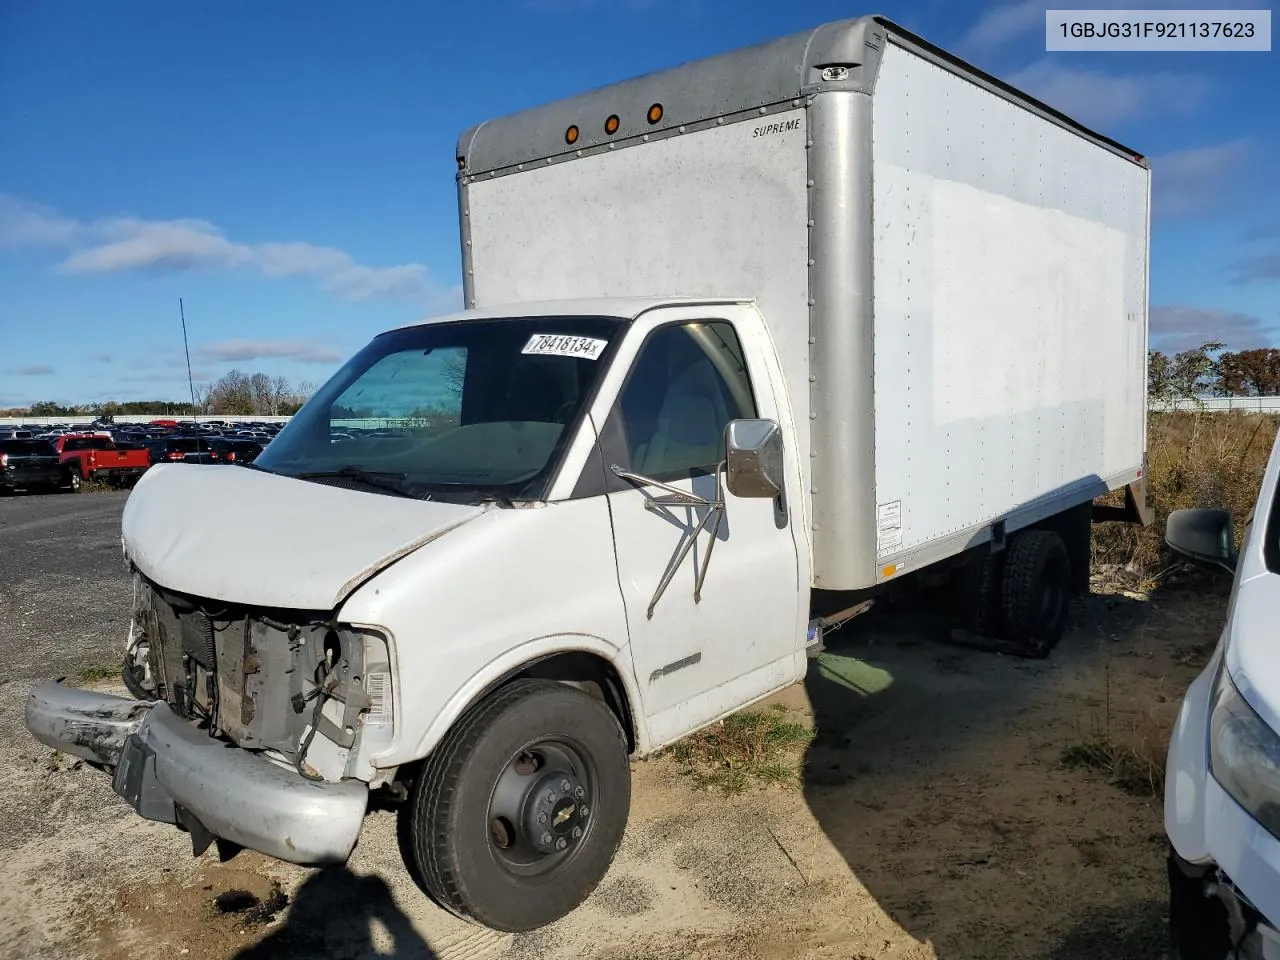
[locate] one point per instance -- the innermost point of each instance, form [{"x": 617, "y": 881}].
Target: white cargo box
[{"x": 954, "y": 274}]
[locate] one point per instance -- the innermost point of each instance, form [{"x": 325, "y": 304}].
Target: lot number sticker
[{"x": 560, "y": 345}]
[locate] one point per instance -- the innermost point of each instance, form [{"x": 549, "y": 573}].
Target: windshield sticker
[{"x": 561, "y": 345}]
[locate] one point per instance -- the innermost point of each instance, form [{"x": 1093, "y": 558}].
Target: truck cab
[{"x": 537, "y": 557}]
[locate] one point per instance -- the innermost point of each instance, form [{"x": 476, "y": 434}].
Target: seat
[{"x": 689, "y": 428}]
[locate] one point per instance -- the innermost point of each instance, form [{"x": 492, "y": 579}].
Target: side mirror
[
  {"x": 1204, "y": 535},
  {"x": 753, "y": 454}
]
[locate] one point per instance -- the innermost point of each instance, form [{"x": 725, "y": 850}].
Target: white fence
[{"x": 1223, "y": 405}]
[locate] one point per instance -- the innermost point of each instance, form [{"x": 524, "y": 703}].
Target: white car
[{"x": 1222, "y": 789}]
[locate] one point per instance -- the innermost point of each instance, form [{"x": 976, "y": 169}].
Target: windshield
[{"x": 453, "y": 411}]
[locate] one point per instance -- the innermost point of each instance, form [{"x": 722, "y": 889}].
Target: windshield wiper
[{"x": 388, "y": 480}]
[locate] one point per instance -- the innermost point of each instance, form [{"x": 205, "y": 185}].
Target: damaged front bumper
[{"x": 172, "y": 772}]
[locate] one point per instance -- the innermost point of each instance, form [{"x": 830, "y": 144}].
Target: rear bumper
[
  {"x": 38, "y": 476},
  {"x": 170, "y": 771}
]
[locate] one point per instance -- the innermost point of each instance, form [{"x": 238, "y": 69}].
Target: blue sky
[{"x": 287, "y": 167}]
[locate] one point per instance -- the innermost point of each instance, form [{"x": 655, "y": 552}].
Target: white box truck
[{"x": 745, "y": 342}]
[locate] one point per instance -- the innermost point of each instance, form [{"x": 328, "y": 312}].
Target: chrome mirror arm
[{"x": 710, "y": 520}]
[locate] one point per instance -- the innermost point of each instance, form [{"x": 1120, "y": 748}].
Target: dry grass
[
  {"x": 96, "y": 673},
  {"x": 1195, "y": 460},
  {"x": 1134, "y": 765},
  {"x": 751, "y": 747}
]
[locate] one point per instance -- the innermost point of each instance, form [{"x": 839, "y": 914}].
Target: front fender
[
  {"x": 511, "y": 587},
  {"x": 520, "y": 657}
]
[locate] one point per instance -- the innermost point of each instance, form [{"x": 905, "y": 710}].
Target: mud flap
[{"x": 200, "y": 835}]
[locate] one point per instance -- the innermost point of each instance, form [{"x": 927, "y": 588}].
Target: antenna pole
[{"x": 187, "y": 350}]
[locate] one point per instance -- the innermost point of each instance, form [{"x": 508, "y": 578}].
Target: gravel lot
[
  {"x": 61, "y": 579},
  {"x": 935, "y": 819}
]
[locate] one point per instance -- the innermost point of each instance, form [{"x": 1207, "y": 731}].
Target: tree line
[
  {"x": 235, "y": 393},
  {"x": 1209, "y": 370},
  {"x": 1206, "y": 370}
]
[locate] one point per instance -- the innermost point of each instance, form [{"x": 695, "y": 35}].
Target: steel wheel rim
[{"x": 523, "y": 790}]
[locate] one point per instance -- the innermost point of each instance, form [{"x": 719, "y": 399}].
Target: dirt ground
[{"x": 934, "y": 820}]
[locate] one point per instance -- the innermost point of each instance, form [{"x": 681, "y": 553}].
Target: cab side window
[{"x": 687, "y": 383}]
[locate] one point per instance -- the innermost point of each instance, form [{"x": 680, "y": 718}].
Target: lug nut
[
  {"x": 542, "y": 818},
  {"x": 585, "y": 811},
  {"x": 579, "y": 793},
  {"x": 561, "y": 843},
  {"x": 565, "y": 785},
  {"x": 546, "y": 839},
  {"x": 551, "y": 797},
  {"x": 577, "y": 832}
]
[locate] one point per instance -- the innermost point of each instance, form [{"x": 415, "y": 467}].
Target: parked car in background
[
  {"x": 31, "y": 464},
  {"x": 236, "y": 449},
  {"x": 1222, "y": 783},
  {"x": 98, "y": 457},
  {"x": 180, "y": 448}
]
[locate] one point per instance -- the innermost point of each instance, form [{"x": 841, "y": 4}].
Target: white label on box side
[
  {"x": 562, "y": 345},
  {"x": 888, "y": 527}
]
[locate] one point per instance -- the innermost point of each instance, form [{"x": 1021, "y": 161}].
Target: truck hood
[{"x": 256, "y": 538}]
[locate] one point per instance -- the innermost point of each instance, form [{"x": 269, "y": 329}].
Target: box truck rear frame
[{"x": 785, "y": 85}]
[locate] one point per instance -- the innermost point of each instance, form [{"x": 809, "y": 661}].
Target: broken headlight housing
[{"x": 346, "y": 705}]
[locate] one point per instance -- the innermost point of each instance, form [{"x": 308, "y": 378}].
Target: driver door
[{"x": 728, "y": 625}]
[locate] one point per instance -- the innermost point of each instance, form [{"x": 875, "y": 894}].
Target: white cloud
[
  {"x": 30, "y": 370},
  {"x": 1263, "y": 231},
  {"x": 996, "y": 26},
  {"x": 235, "y": 351},
  {"x": 118, "y": 244},
  {"x": 35, "y": 370},
  {"x": 1178, "y": 328},
  {"x": 1186, "y": 183},
  {"x": 1098, "y": 99},
  {"x": 1261, "y": 266}
]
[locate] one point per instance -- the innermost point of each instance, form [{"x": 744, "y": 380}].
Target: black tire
[
  {"x": 1198, "y": 925},
  {"x": 455, "y": 840},
  {"x": 1035, "y": 591},
  {"x": 73, "y": 483},
  {"x": 987, "y": 597}
]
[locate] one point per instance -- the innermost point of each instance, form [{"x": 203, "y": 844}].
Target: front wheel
[
  {"x": 1199, "y": 928},
  {"x": 517, "y": 814}
]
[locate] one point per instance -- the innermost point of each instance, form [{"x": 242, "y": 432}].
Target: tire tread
[{"x": 1022, "y": 569}]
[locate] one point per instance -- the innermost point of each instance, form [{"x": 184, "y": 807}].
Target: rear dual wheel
[
  {"x": 1023, "y": 594},
  {"x": 517, "y": 814}
]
